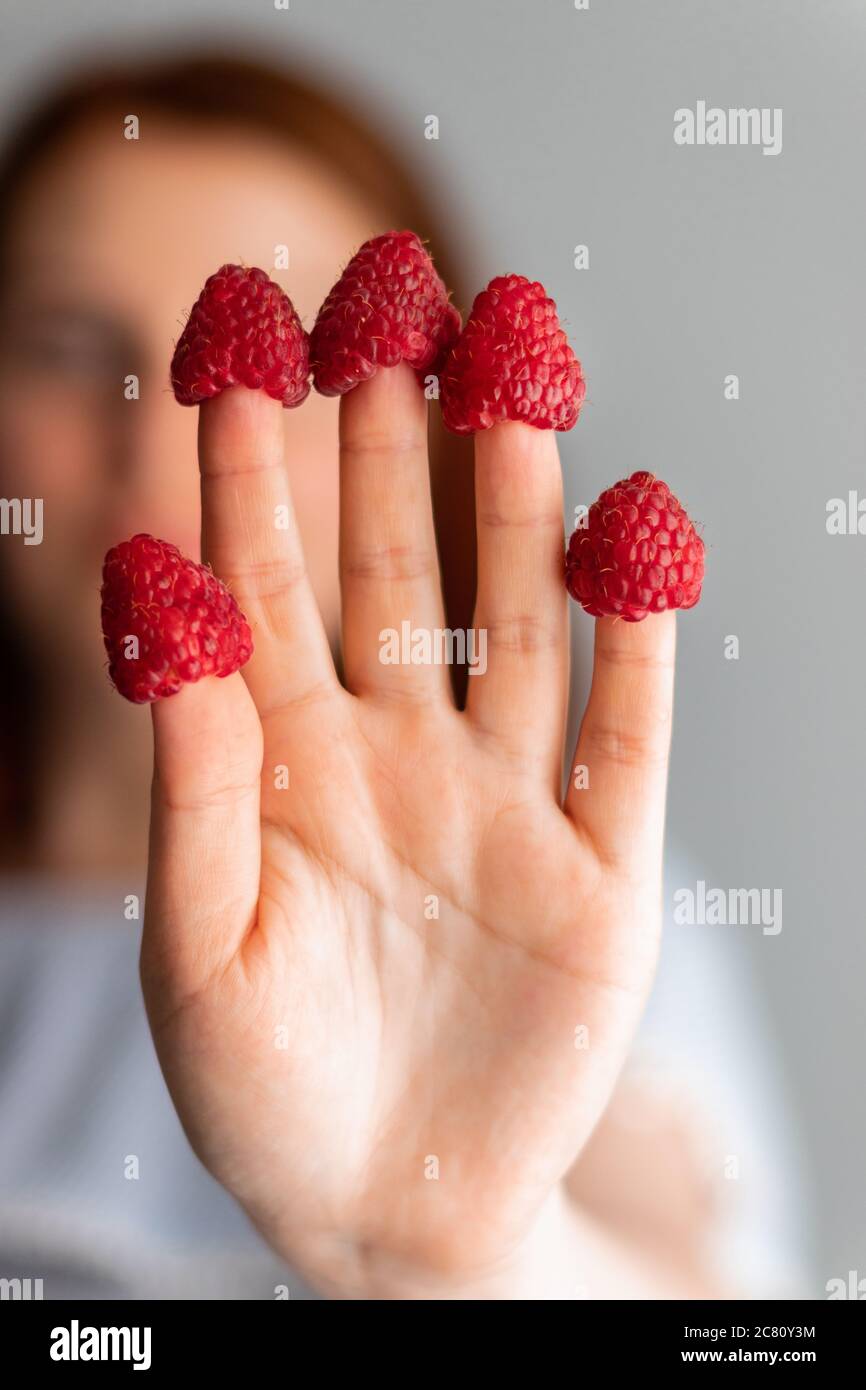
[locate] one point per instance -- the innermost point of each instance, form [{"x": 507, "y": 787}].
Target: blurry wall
[{"x": 556, "y": 129}]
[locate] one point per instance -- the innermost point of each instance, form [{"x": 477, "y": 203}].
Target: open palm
[{"x": 391, "y": 977}]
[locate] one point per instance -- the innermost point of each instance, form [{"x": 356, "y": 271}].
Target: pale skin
[
  {"x": 307, "y": 909},
  {"x": 303, "y": 908}
]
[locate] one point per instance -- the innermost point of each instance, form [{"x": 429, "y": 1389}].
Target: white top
[{"x": 81, "y": 1090}]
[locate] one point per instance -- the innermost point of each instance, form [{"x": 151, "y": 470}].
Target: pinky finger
[{"x": 618, "y": 781}]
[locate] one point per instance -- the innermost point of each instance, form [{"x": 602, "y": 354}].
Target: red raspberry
[
  {"x": 186, "y": 621},
  {"x": 512, "y": 362},
  {"x": 388, "y": 306},
  {"x": 639, "y": 553},
  {"x": 243, "y": 331}
]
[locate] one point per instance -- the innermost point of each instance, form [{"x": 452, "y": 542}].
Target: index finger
[{"x": 250, "y": 537}]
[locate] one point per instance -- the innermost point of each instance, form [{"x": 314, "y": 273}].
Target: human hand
[{"x": 384, "y": 963}]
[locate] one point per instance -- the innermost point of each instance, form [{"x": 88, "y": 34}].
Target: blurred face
[{"x": 109, "y": 248}]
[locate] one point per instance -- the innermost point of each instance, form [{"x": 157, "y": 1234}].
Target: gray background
[{"x": 556, "y": 129}]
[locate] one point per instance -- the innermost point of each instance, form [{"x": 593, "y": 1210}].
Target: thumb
[{"x": 205, "y": 840}]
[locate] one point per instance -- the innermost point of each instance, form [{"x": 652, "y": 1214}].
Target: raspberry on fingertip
[
  {"x": 512, "y": 361},
  {"x": 388, "y": 306},
  {"x": 639, "y": 553},
  {"x": 243, "y": 330},
  {"x": 167, "y": 621}
]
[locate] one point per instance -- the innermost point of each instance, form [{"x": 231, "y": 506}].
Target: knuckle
[
  {"x": 522, "y": 633},
  {"x": 622, "y": 657},
  {"x": 498, "y": 517},
  {"x": 266, "y": 579},
  {"x": 373, "y": 443},
  {"x": 391, "y": 563},
  {"x": 222, "y": 792},
  {"x": 629, "y": 748}
]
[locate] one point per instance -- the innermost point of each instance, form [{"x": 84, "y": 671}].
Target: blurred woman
[{"x": 104, "y": 241}]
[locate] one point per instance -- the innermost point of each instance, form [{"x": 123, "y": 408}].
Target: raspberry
[
  {"x": 242, "y": 331},
  {"x": 512, "y": 362},
  {"x": 186, "y": 623},
  {"x": 388, "y": 306},
  {"x": 639, "y": 553}
]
